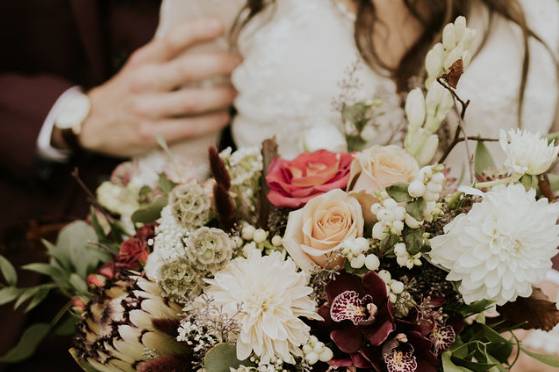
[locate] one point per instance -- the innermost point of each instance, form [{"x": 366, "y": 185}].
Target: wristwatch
[{"x": 70, "y": 116}]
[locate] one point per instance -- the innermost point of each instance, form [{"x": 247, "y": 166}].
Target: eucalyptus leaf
[
  {"x": 78, "y": 241},
  {"x": 151, "y": 212},
  {"x": 8, "y": 294},
  {"x": 8, "y": 271},
  {"x": 27, "y": 344},
  {"x": 483, "y": 159},
  {"x": 26, "y": 294},
  {"x": 165, "y": 184},
  {"x": 550, "y": 360},
  {"x": 221, "y": 358},
  {"x": 46, "y": 269}
]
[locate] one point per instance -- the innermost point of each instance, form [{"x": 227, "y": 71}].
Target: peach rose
[
  {"x": 379, "y": 167},
  {"x": 314, "y": 233}
]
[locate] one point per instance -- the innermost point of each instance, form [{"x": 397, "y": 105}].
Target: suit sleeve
[{"x": 25, "y": 102}]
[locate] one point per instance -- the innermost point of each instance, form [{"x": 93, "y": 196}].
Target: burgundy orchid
[{"x": 359, "y": 316}]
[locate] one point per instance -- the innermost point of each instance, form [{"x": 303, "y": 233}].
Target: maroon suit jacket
[{"x": 46, "y": 47}]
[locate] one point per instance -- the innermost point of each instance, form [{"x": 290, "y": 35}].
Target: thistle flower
[
  {"x": 191, "y": 205},
  {"x": 209, "y": 249},
  {"x": 128, "y": 326}
]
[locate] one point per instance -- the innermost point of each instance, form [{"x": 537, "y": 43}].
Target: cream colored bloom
[
  {"x": 118, "y": 199},
  {"x": 314, "y": 234},
  {"x": 266, "y": 295},
  {"x": 378, "y": 167},
  {"x": 501, "y": 247},
  {"x": 324, "y": 137},
  {"x": 527, "y": 153}
]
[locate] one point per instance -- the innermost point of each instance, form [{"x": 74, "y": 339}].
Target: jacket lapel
[{"x": 87, "y": 17}]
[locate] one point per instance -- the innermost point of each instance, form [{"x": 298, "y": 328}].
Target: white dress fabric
[{"x": 301, "y": 61}]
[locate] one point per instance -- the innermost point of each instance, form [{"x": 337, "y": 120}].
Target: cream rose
[
  {"x": 315, "y": 232},
  {"x": 379, "y": 167}
]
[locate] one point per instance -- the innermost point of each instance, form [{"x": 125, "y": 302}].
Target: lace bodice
[{"x": 300, "y": 57}]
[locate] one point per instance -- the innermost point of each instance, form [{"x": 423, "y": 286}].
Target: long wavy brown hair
[{"x": 433, "y": 15}]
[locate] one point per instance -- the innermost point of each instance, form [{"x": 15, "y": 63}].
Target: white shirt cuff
[{"x": 44, "y": 146}]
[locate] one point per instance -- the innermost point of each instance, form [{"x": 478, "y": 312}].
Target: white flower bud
[
  {"x": 385, "y": 276},
  {"x": 385, "y": 215},
  {"x": 238, "y": 241},
  {"x": 402, "y": 260},
  {"x": 430, "y": 196},
  {"x": 411, "y": 222},
  {"x": 372, "y": 262},
  {"x": 324, "y": 137},
  {"x": 415, "y": 108},
  {"x": 397, "y": 287},
  {"x": 379, "y": 231},
  {"x": 399, "y": 213},
  {"x": 277, "y": 241},
  {"x": 434, "y": 61},
  {"x": 248, "y": 232},
  {"x": 416, "y": 189},
  {"x": 312, "y": 358},
  {"x": 449, "y": 37},
  {"x": 400, "y": 249},
  {"x": 438, "y": 178},
  {"x": 307, "y": 348},
  {"x": 326, "y": 355},
  {"x": 390, "y": 203},
  {"x": 435, "y": 188},
  {"x": 357, "y": 262},
  {"x": 397, "y": 227},
  {"x": 260, "y": 236}
]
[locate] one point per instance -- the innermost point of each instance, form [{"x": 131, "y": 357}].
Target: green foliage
[
  {"x": 415, "y": 242},
  {"x": 8, "y": 271},
  {"x": 399, "y": 192},
  {"x": 482, "y": 160},
  {"x": 151, "y": 212},
  {"x": 416, "y": 208},
  {"x": 221, "y": 358},
  {"x": 9, "y": 294},
  {"x": 28, "y": 343}
]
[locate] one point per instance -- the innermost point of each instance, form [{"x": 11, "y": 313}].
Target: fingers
[
  {"x": 196, "y": 67},
  {"x": 182, "y": 37},
  {"x": 185, "y": 102},
  {"x": 174, "y": 130}
]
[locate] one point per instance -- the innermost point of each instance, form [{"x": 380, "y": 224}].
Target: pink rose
[{"x": 293, "y": 183}]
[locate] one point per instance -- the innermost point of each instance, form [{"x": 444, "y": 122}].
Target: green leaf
[
  {"x": 550, "y": 360},
  {"x": 78, "y": 283},
  {"x": 499, "y": 347},
  {"x": 483, "y": 160},
  {"x": 415, "y": 242},
  {"x": 37, "y": 299},
  {"x": 475, "y": 307},
  {"x": 26, "y": 294},
  {"x": 78, "y": 242},
  {"x": 449, "y": 366},
  {"x": 27, "y": 344},
  {"x": 85, "y": 366},
  {"x": 221, "y": 358},
  {"x": 46, "y": 269},
  {"x": 8, "y": 271},
  {"x": 8, "y": 294},
  {"x": 415, "y": 209},
  {"x": 399, "y": 192},
  {"x": 67, "y": 327},
  {"x": 165, "y": 184},
  {"x": 151, "y": 212}
]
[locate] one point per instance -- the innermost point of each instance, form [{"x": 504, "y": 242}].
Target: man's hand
[{"x": 159, "y": 93}]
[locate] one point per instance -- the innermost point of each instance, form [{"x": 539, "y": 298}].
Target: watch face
[{"x": 73, "y": 111}]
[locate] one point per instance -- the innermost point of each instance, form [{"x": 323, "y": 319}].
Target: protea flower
[{"x": 131, "y": 328}]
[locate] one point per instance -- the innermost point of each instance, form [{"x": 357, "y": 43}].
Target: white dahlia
[
  {"x": 502, "y": 246},
  {"x": 266, "y": 296},
  {"x": 526, "y": 152}
]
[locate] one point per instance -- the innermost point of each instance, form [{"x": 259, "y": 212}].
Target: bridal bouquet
[{"x": 336, "y": 260}]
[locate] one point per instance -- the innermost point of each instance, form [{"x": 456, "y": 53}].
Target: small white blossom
[
  {"x": 526, "y": 152},
  {"x": 324, "y": 137}
]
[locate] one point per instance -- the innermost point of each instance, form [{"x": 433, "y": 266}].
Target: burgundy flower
[
  {"x": 132, "y": 255},
  {"x": 293, "y": 183},
  {"x": 146, "y": 232},
  {"x": 358, "y": 315},
  {"x": 409, "y": 352}
]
